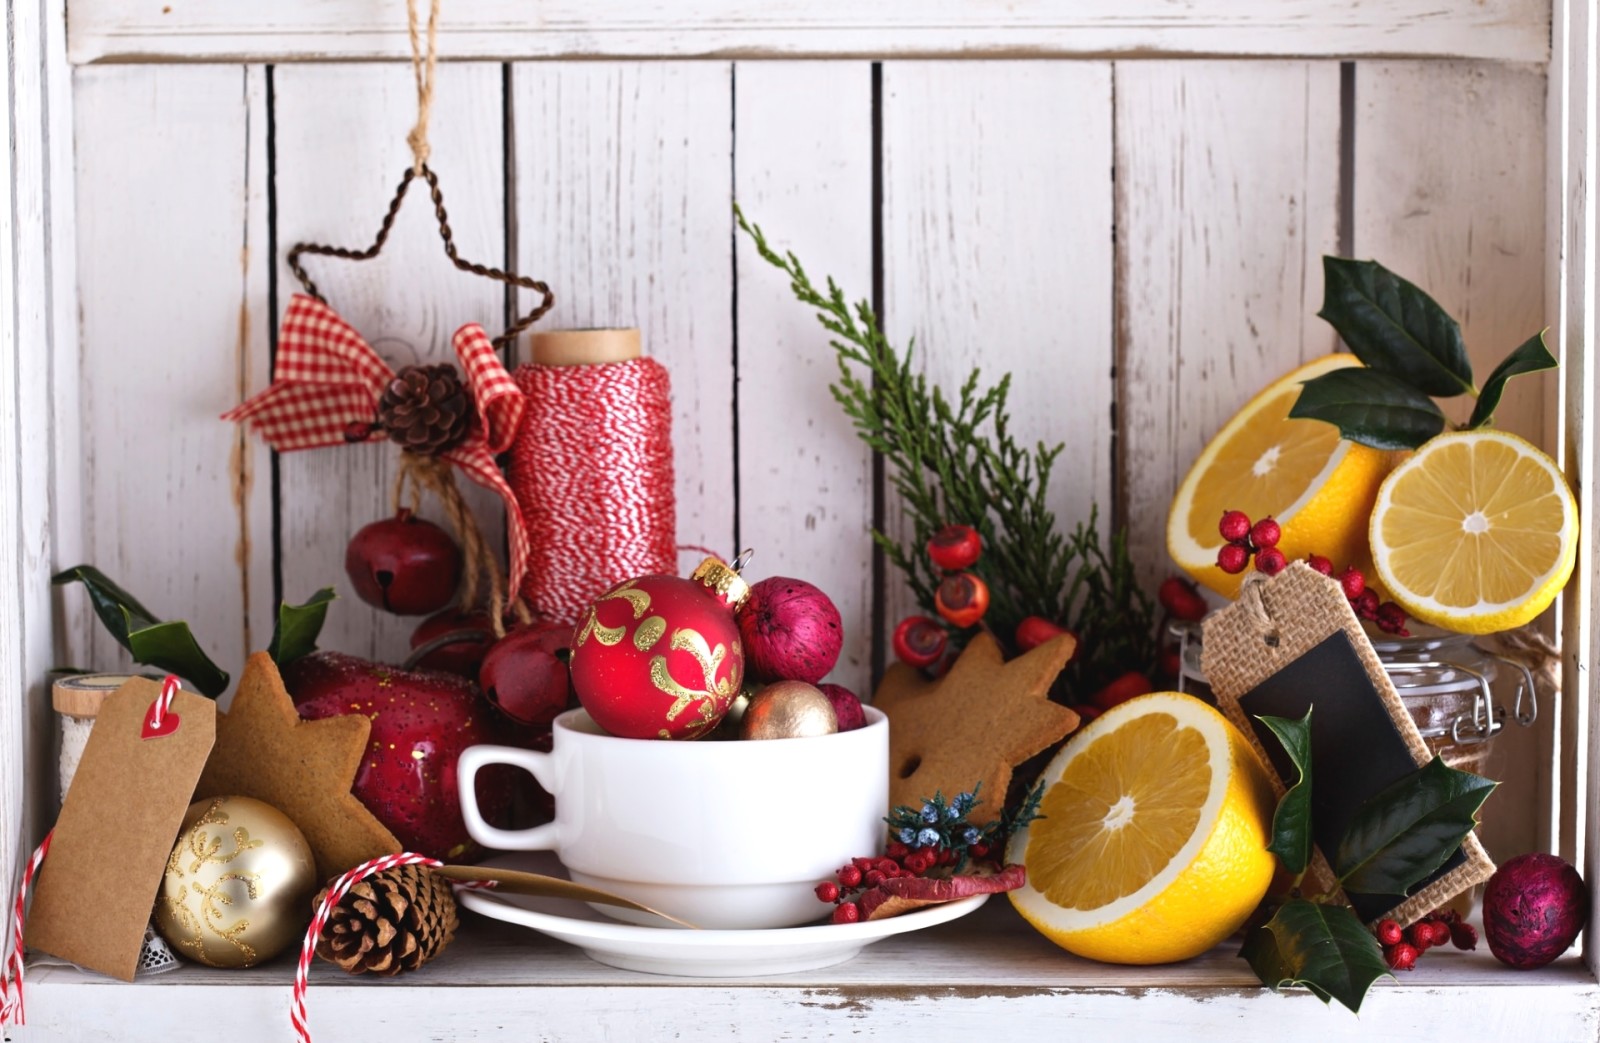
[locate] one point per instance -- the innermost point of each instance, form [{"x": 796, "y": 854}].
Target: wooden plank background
[{"x": 1137, "y": 242}]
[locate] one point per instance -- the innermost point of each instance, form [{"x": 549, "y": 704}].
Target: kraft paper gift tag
[
  {"x": 109, "y": 849},
  {"x": 1291, "y": 643}
]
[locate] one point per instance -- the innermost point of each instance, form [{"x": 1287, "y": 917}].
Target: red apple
[
  {"x": 421, "y": 721},
  {"x": 525, "y": 673},
  {"x": 404, "y": 564},
  {"x": 472, "y": 638}
]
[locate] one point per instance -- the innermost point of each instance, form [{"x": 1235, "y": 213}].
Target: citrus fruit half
[
  {"x": 1153, "y": 844},
  {"x": 1318, "y": 486},
  {"x": 1476, "y": 532}
]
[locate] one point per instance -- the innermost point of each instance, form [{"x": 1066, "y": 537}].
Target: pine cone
[
  {"x": 426, "y": 409},
  {"x": 392, "y": 921}
]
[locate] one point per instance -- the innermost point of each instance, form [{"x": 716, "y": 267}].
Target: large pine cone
[
  {"x": 426, "y": 409},
  {"x": 392, "y": 921}
]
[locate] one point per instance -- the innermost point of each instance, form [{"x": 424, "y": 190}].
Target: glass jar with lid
[{"x": 1446, "y": 682}]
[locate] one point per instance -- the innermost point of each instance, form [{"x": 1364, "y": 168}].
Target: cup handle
[{"x": 540, "y": 765}]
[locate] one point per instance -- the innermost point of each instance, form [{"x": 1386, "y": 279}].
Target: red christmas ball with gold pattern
[{"x": 659, "y": 657}]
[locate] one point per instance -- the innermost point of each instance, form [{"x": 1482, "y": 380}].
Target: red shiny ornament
[
  {"x": 659, "y": 657},
  {"x": 421, "y": 721}
]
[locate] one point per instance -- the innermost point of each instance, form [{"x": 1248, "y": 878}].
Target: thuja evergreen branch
[{"x": 955, "y": 460}]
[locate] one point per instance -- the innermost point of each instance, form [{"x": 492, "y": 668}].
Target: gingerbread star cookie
[
  {"x": 303, "y": 768},
  {"x": 975, "y": 724}
]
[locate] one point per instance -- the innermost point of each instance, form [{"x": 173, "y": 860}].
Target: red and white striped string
[
  {"x": 162, "y": 704},
  {"x": 591, "y": 469},
  {"x": 11, "y": 1006},
  {"x": 330, "y": 902}
]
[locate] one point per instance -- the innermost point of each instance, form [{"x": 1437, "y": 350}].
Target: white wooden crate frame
[{"x": 990, "y": 974}]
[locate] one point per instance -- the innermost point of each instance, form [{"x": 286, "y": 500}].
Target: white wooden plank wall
[
  {"x": 1112, "y": 233},
  {"x": 37, "y": 378},
  {"x": 997, "y": 252},
  {"x": 1473, "y": 234},
  {"x": 1222, "y": 222},
  {"x": 340, "y": 136},
  {"x": 622, "y": 187},
  {"x": 804, "y": 166},
  {"x": 177, "y": 508}
]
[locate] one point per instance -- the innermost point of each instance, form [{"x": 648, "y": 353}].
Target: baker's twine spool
[{"x": 592, "y": 472}]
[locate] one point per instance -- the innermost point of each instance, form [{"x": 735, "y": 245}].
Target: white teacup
[{"x": 722, "y": 834}]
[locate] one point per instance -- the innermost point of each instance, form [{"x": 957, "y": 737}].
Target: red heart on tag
[{"x": 151, "y": 730}]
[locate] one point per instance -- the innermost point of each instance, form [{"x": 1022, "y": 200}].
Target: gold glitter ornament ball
[
  {"x": 788, "y": 710},
  {"x": 238, "y": 886}
]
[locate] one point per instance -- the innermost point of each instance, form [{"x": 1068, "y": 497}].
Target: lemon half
[{"x": 1477, "y": 532}]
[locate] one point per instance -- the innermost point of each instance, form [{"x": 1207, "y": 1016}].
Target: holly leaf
[
  {"x": 297, "y": 628},
  {"x": 1370, "y": 407},
  {"x": 172, "y": 648},
  {"x": 1531, "y": 357},
  {"x": 1394, "y": 327},
  {"x": 1400, "y": 835},
  {"x": 119, "y": 611},
  {"x": 167, "y": 646},
  {"x": 1324, "y": 948},
  {"x": 1291, "y": 823}
]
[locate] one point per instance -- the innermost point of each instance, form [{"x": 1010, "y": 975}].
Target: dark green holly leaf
[
  {"x": 1531, "y": 357},
  {"x": 1394, "y": 327},
  {"x": 298, "y": 626},
  {"x": 171, "y": 647},
  {"x": 1291, "y": 823},
  {"x": 1370, "y": 407},
  {"x": 166, "y": 646},
  {"x": 118, "y": 610},
  {"x": 1405, "y": 832},
  {"x": 1322, "y": 947}
]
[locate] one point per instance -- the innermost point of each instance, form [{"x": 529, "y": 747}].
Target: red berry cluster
[
  {"x": 1402, "y": 947},
  {"x": 865, "y": 873},
  {"x": 1389, "y": 617},
  {"x": 961, "y": 598},
  {"x": 1261, "y": 540},
  {"x": 1246, "y": 540}
]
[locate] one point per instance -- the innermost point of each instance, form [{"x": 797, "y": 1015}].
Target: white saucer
[{"x": 690, "y": 953}]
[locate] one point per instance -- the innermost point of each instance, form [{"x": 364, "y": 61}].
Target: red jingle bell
[{"x": 659, "y": 657}]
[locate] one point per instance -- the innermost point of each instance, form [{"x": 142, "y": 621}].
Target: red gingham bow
[{"x": 325, "y": 390}]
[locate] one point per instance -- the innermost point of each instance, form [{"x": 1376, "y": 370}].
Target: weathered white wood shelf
[
  {"x": 986, "y": 976},
  {"x": 1130, "y": 220}
]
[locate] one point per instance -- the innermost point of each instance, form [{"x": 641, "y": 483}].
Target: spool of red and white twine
[
  {"x": 592, "y": 473},
  {"x": 325, "y": 908}
]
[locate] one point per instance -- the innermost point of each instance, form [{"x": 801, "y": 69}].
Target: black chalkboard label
[{"x": 1356, "y": 751}]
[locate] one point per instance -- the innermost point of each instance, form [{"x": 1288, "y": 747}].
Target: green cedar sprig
[{"x": 956, "y": 461}]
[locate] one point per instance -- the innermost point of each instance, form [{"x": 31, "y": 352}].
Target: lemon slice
[
  {"x": 1153, "y": 844},
  {"x": 1318, "y": 486},
  {"x": 1477, "y": 532}
]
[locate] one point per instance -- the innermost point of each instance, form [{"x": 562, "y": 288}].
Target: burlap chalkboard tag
[{"x": 1291, "y": 643}]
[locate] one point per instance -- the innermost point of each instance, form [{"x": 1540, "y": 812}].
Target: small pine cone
[
  {"x": 392, "y": 921},
  {"x": 426, "y": 409}
]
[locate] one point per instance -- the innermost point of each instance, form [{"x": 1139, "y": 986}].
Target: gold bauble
[
  {"x": 788, "y": 710},
  {"x": 238, "y": 886}
]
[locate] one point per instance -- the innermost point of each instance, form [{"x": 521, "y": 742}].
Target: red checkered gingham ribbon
[
  {"x": 325, "y": 908},
  {"x": 11, "y": 1009},
  {"x": 325, "y": 390}
]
